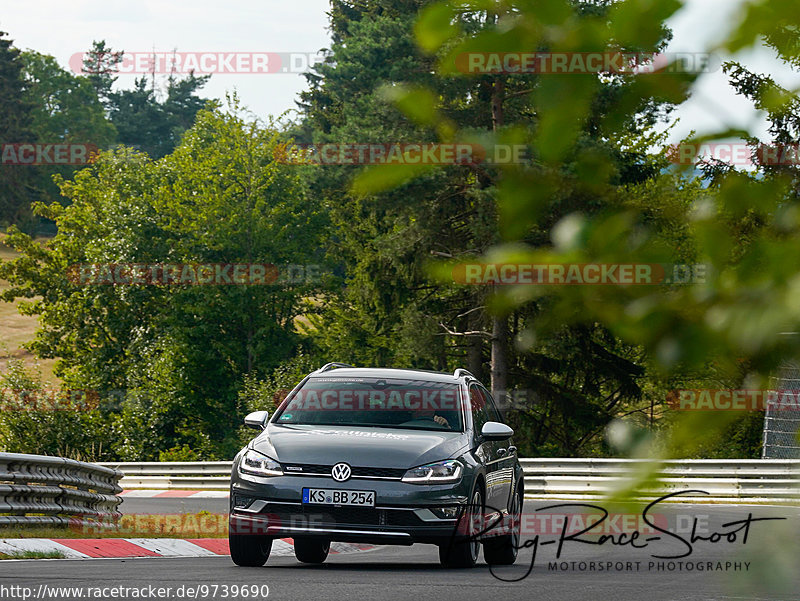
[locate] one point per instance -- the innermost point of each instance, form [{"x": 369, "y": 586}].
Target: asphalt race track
[
  {"x": 413, "y": 573},
  {"x": 132, "y": 505}
]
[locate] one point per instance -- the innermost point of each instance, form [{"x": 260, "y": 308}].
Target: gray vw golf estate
[{"x": 380, "y": 456}]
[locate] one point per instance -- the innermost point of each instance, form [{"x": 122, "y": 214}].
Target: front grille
[
  {"x": 302, "y": 515},
  {"x": 306, "y": 468},
  {"x": 358, "y": 472},
  {"x": 378, "y": 472}
]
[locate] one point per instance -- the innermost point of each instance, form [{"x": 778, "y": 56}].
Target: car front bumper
[{"x": 402, "y": 514}]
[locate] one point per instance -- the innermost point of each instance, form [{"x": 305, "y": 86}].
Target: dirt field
[{"x": 16, "y": 330}]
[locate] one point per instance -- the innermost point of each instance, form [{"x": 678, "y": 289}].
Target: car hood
[{"x": 357, "y": 446}]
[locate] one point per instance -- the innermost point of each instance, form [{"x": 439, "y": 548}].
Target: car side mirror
[
  {"x": 496, "y": 431},
  {"x": 257, "y": 420}
]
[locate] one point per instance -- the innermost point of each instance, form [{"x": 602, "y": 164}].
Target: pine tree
[
  {"x": 16, "y": 181},
  {"x": 391, "y": 311},
  {"x": 99, "y": 65}
]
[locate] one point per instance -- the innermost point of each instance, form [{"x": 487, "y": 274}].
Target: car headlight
[
  {"x": 434, "y": 473},
  {"x": 257, "y": 464}
]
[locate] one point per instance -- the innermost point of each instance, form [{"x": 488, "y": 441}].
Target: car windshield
[{"x": 375, "y": 402}]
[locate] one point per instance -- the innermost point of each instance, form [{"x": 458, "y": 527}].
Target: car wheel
[
  {"x": 462, "y": 552},
  {"x": 249, "y": 550},
  {"x": 311, "y": 550},
  {"x": 503, "y": 550}
]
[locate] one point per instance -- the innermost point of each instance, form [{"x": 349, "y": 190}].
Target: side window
[
  {"x": 494, "y": 414},
  {"x": 480, "y": 414}
]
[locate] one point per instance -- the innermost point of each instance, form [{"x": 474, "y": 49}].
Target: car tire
[
  {"x": 462, "y": 552},
  {"x": 503, "y": 550},
  {"x": 311, "y": 550},
  {"x": 249, "y": 550}
]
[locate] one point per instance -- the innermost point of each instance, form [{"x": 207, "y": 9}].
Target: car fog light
[
  {"x": 242, "y": 502},
  {"x": 447, "y": 512}
]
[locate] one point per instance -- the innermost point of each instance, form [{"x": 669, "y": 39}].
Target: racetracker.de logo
[
  {"x": 207, "y": 62},
  {"x": 738, "y": 153},
  {"x": 191, "y": 274},
  {"x": 47, "y": 154},
  {"x": 574, "y": 523},
  {"x": 351, "y": 399},
  {"x": 397, "y": 153},
  {"x": 708, "y": 399},
  {"x": 581, "y": 63},
  {"x": 199, "y": 525},
  {"x": 570, "y": 274},
  {"x": 44, "y": 399}
]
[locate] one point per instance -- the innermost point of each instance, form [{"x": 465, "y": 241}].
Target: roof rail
[
  {"x": 330, "y": 366},
  {"x": 461, "y": 371}
]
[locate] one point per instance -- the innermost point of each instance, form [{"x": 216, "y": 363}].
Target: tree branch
[{"x": 470, "y": 333}]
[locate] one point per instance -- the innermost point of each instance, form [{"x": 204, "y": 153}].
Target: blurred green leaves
[
  {"x": 435, "y": 26},
  {"x": 575, "y": 199}
]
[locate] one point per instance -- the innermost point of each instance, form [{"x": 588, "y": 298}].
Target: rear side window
[
  {"x": 478, "y": 406},
  {"x": 494, "y": 414}
]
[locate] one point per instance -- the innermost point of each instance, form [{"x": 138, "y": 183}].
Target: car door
[
  {"x": 486, "y": 451},
  {"x": 505, "y": 457}
]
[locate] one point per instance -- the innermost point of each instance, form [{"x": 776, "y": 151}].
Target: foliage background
[{"x": 184, "y": 180}]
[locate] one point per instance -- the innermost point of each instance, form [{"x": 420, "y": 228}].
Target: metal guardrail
[
  {"x": 53, "y": 491},
  {"x": 741, "y": 480},
  {"x": 166, "y": 475},
  {"x": 750, "y": 480}
]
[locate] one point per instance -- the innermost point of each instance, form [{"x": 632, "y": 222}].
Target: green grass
[{"x": 33, "y": 555}]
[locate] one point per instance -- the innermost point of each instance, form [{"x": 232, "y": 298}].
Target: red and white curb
[
  {"x": 173, "y": 494},
  {"x": 86, "y": 548}
]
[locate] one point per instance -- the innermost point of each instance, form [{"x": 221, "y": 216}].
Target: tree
[
  {"x": 66, "y": 110},
  {"x": 16, "y": 181},
  {"x": 392, "y": 311},
  {"x": 154, "y": 127},
  {"x": 179, "y": 353},
  {"x": 143, "y": 120},
  {"x": 99, "y": 65},
  {"x": 738, "y": 229},
  {"x": 42, "y": 420}
]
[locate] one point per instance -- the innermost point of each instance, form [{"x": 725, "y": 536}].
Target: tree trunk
[
  {"x": 499, "y": 368},
  {"x": 475, "y": 356},
  {"x": 499, "y": 358},
  {"x": 498, "y": 96}
]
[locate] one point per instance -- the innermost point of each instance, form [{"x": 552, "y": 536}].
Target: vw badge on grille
[{"x": 341, "y": 472}]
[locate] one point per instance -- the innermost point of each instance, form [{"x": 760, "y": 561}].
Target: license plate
[{"x": 327, "y": 496}]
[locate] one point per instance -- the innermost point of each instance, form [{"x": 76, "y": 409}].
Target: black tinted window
[
  {"x": 480, "y": 415},
  {"x": 377, "y": 402},
  {"x": 491, "y": 408}
]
